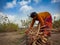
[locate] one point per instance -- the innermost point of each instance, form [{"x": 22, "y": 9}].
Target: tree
[
  {"x": 26, "y": 22},
  {"x": 3, "y": 19}
]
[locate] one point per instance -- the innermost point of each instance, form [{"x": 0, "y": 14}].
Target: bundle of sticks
[{"x": 36, "y": 36}]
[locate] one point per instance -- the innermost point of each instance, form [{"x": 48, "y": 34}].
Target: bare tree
[{"x": 26, "y": 22}]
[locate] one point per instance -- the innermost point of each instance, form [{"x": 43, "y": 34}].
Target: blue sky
[{"x": 19, "y": 9}]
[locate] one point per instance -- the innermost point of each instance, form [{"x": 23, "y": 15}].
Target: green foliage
[
  {"x": 56, "y": 24},
  {"x": 22, "y": 31},
  {"x": 7, "y": 27}
]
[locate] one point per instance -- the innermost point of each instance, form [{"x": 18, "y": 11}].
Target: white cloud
[
  {"x": 10, "y": 4},
  {"x": 15, "y": 19},
  {"x": 14, "y": 2},
  {"x": 54, "y": 1},
  {"x": 29, "y": 0},
  {"x": 37, "y": 1},
  {"x": 57, "y": 15},
  {"x": 12, "y": 18},
  {"x": 23, "y": 2},
  {"x": 1, "y": 14},
  {"x": 26, "y": 9}
]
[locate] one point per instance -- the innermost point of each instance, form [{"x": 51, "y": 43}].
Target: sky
[{"x": 17, "y": 10}]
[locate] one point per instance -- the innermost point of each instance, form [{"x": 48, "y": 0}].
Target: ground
[{"x": 15, "y": 38}]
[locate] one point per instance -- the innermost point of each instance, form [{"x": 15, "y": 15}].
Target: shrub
[{"x": 7, "y": 27}]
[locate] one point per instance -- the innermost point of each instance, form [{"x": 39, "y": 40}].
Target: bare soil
[{"x": 15, "y": 38}]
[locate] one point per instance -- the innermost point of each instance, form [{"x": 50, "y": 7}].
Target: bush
[
  {"x": 7, "y": 27},
  {"x": 56, "y": 24}
]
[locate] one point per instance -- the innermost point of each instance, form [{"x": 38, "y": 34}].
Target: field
[{"x": 17, "y": 38}]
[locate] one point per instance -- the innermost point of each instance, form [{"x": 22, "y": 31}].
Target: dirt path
[
  {"x": 14, "y": 38},
  {"x": 56, "y": 39},
  {"x": 9, "y": 38}
]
